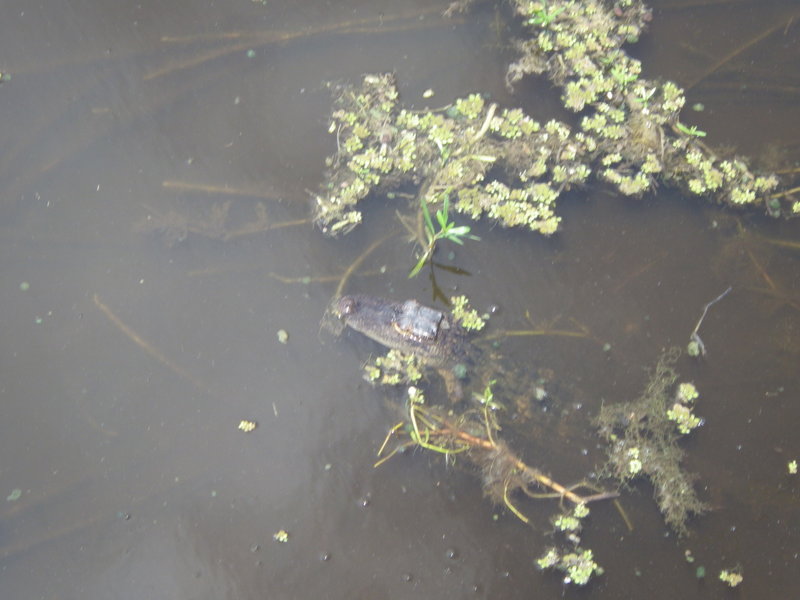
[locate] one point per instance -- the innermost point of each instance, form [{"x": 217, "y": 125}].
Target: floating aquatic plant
[{"x": 503, "y": 164}]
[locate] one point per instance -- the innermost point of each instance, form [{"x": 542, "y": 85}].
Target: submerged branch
[
  {"x": 504, "y": 472},
  {"x": 734, "y": 53},
  {"x": 357, "y": 263},
  {"x": 145, "y": 345}
]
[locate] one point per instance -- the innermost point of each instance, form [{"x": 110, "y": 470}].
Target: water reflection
[{"x": 120, "y": 424}]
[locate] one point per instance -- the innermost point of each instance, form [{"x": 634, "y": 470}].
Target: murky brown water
[{"x": 127, "y": 364}]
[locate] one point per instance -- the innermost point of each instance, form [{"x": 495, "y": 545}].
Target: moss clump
[{"x": 643, "y": 441}]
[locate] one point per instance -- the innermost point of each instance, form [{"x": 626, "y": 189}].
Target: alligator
[
  {"x": 442, "y": 344},
  {"x": 430, "y": 334}
]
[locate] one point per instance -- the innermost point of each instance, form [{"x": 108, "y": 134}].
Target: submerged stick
[
  {"x": 761, "y": 271},
  {"x": 357, "y": 263},
  {"x": 731, "y": 55},
  {"x": 145, "y": 345},
  {"x": 778, "y": 295},
  {"x": 580, "y": 331},
  {"x": 247, "y": 230},
  {"x": 772, "y": 289},
  {"x": 784, "y": 193},
  {"x": 444, "y": 437},
  {"x": 196, "y": 60},
  {"x": 188, "y": 186},
  {"x": 374, "y": 22},
  {"x": 535, "y": 333},
  {"x": 532, "y": 472},
  {"x": 700, "y": 4},
  {"x": 245, "y": 41}
]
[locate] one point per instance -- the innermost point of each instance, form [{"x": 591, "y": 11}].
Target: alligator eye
[{"x": 347, "y": 306}]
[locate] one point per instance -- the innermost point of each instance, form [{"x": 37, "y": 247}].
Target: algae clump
[{"x": 643, "y": 442}]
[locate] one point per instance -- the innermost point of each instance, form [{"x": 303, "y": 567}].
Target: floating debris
[
  {"x": 281, "y": 536},
  {"x": 578, "y": 566},
  {"x": 247, "y": 426},
  {"x": 465, "y": 315},
  {"x": 700, "y": 572},
  {"x": 731, "y": 576}
]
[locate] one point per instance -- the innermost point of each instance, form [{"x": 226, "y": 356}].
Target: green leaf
[
  {"x": 441, "y": 216},
  {"x": 442, "y": 213},
  {"x": 427, "y": 215},
  {"x": 693, "y": 130},
  {"x": 419, "y": 266},
  {"x": 459, "y": 231}
]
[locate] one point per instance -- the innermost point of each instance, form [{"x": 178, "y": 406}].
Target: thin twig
[
  {"x": 247, "y": 230},
  {"x": 623, "y": 514},
  {"x": 700, "y": 4},
  {"x": 761, "y": 271},
  {"x": 486, "y": 122},
  {"x": 535, "y": 333},
  {"x": 187, "y": 186},
  {"x": 785, "y": 192},
  {"x": 532, "y": 472},
  {"x": 788, "y": 171},
  {"x": 776, "y": 295},
  {"x": 145, "y": 345},
  {"x": 694, "y": 336},
  {"x": 196, "y": 60},
  {"x": 731, "y": 55},
  {"x": 357, "y": 263},
  {"x": 374, "y": 22},
  {"x": 364, "y": 26},
  {"x": 513, "y": 508}
]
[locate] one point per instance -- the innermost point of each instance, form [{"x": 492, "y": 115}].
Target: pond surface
[{"x": 157, "y": 167}]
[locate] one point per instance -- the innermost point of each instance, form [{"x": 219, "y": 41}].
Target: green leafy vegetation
[
  {"x": 478, "y": 159},
  {"x": 447, "y": 230},
  {"x": 500, "y": 163}
]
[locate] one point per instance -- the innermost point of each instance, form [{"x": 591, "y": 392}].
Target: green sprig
[
  {"x": 693, "y": 130},
  {"x": 447, "y": 230}
]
